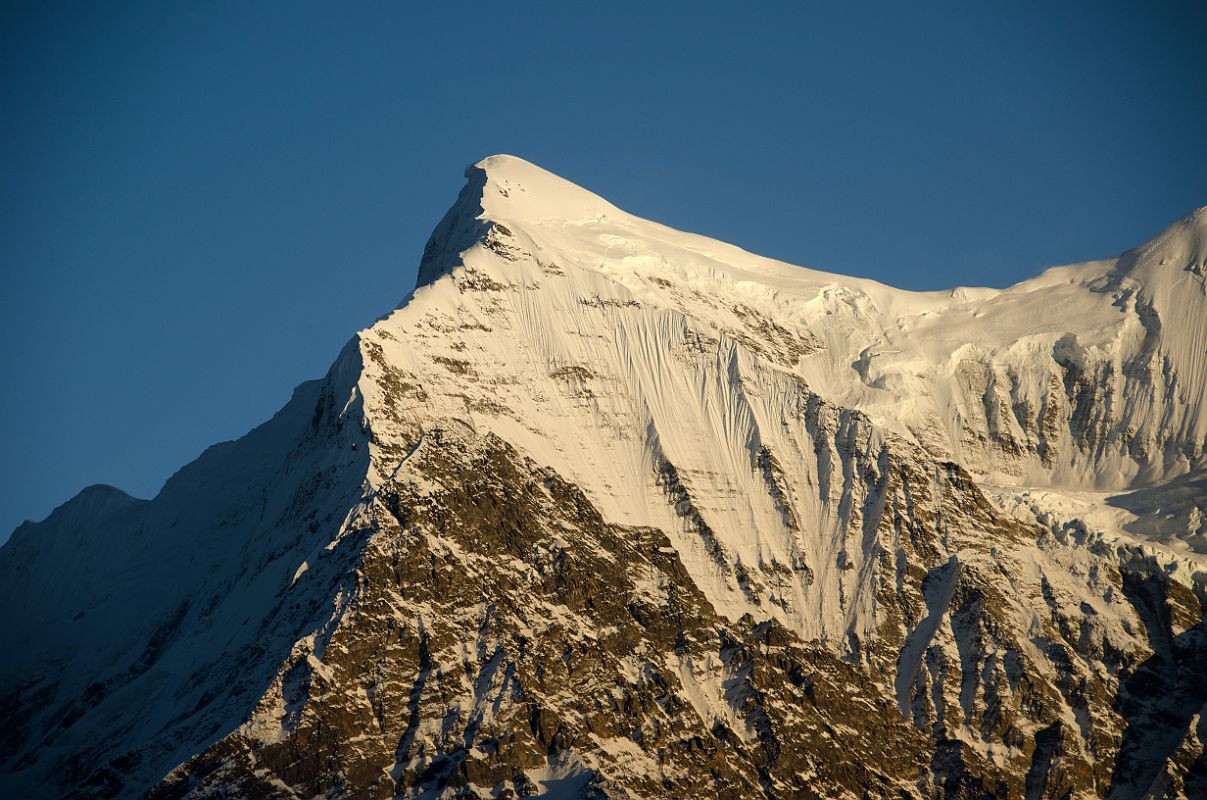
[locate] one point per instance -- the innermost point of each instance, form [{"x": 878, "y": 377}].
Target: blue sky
[{"x": 202, "y": 202}]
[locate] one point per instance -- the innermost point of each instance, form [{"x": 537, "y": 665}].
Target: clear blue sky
[{"x": 201, "y": 202}]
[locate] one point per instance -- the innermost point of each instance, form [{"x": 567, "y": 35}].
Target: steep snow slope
[
  {"x": 666, "y": 373},
  {"x": 607, "y": 506},
  {"x": 1089, "y": 376},
  {"x": 907, "y": 359}
]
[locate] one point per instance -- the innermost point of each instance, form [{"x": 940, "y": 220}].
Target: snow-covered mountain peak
[
  {"x": 509, "y": 192},
  {"x": 610, "y": 509},
  {"x": 970, "y": 371},
  {"x": 517, "y": 190},
  {"x": 90, "y": 503}
]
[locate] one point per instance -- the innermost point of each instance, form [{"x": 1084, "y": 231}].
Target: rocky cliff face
[{"x": 609, "y": 510}]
